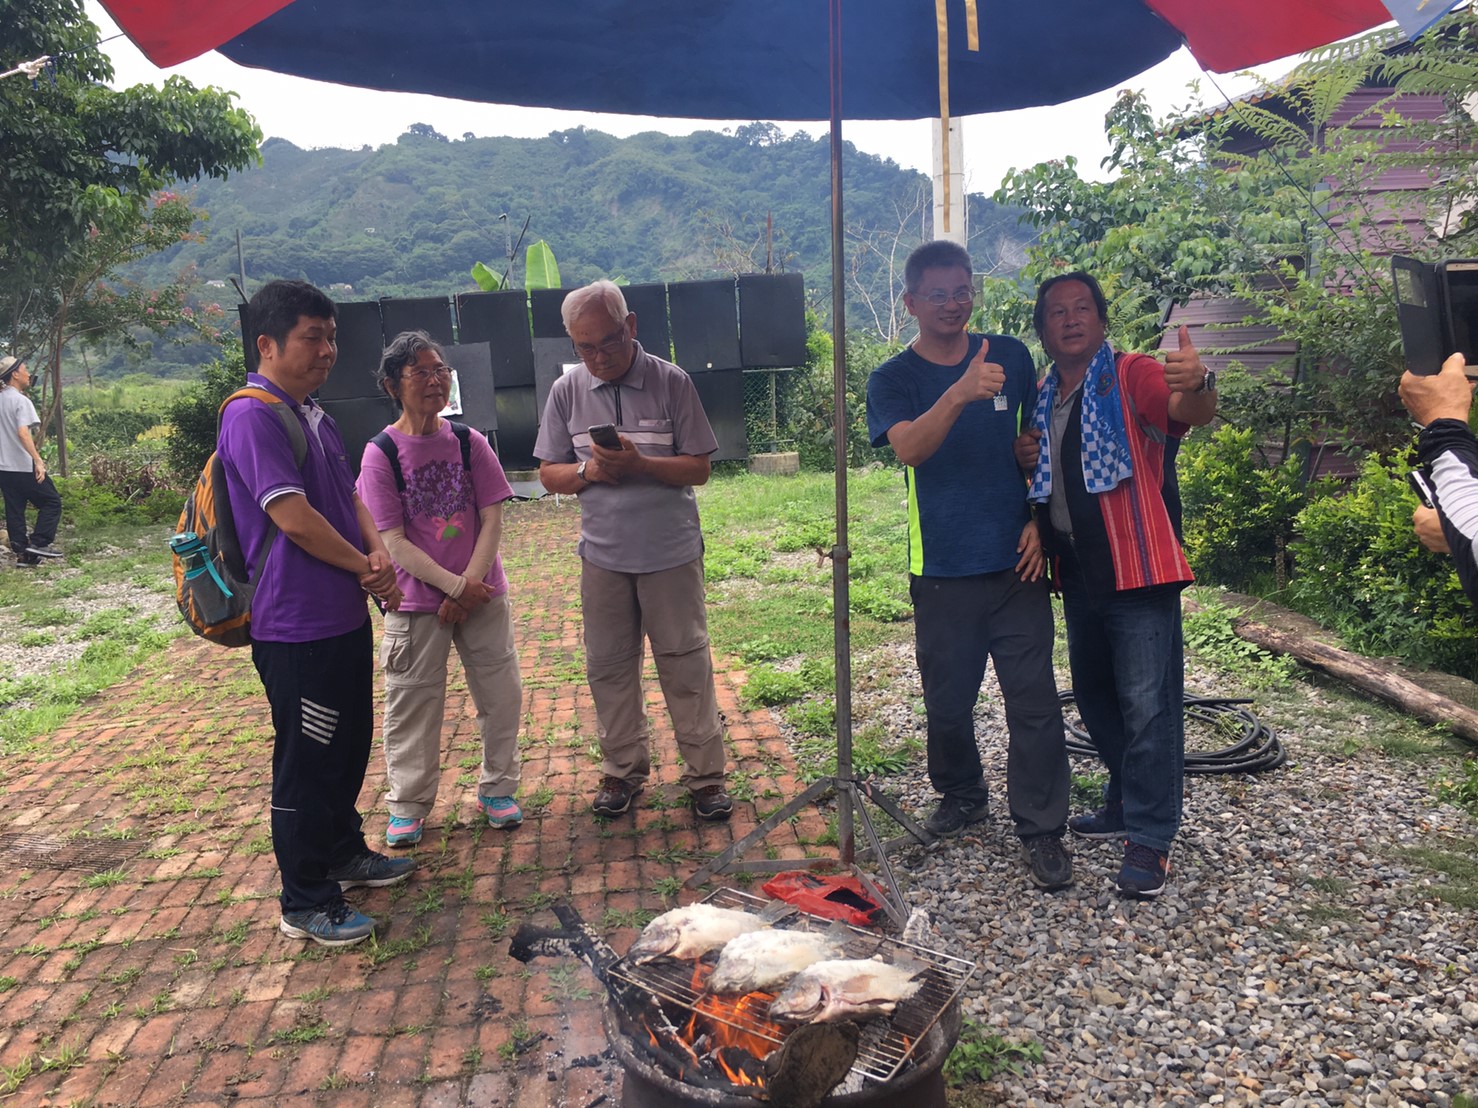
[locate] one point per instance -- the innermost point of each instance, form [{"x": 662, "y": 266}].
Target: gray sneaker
[
  {"x": 374, "y": 871},
  {"x": 1048, "y": 862},
  {"x": 46, "y": 551},
  {"x": 334, "y": 924}
]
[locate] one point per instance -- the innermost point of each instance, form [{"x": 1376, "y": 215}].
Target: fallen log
[{"x": 1365, "y": 674}]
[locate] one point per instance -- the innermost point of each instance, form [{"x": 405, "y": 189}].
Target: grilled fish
[
  {"x": 692, "y": 932},
  {"x": 768, "y": 959},
  {"x": 846, "y": 989}
]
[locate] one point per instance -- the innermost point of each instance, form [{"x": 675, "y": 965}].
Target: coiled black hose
[{"x": 1257, "y": 750}]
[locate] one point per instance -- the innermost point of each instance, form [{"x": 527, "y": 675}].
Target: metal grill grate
[{"x": 881, "y": 1055}]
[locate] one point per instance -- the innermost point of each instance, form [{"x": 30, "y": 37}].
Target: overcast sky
[{"x": 350, "y": 117}]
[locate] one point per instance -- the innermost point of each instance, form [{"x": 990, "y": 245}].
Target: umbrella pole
[{"x": 849, "y": 791}]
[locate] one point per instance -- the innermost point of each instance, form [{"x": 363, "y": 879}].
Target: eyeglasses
[
  {"x": 435, "y": 373},
  {"x": 608, "y": 347},
  {"x": 939, "y": 298}
]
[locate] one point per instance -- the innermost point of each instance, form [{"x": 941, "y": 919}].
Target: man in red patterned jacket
[{"x": 1099, "y": 432}]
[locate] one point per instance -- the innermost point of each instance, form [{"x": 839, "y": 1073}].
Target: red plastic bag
[{"x": 840, "y": 896}]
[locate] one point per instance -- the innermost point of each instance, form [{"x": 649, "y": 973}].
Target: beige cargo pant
[
  {"x": 666, "y": 606},
  {"x": 413, "y": 655}
]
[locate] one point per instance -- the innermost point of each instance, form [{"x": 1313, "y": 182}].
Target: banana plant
[{"x": 541, "y": 271}]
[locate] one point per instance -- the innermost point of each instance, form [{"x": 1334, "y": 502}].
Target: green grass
[
  {"x": 1456, "y": 859},
  {"x": 981, "y": 1055},
  {"x": 768, "y": 599},
  {"x": 1210, "y": 637}
]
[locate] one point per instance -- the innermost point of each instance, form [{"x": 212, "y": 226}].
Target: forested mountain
[{"x": 412, "y": 217}]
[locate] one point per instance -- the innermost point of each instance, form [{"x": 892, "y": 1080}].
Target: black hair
[
  {"x": 403, "y": 351},
  {"x": 278, "y": 305},
  {"x": 1039, "y": 311},
  {"x": 934, "y": 255}
]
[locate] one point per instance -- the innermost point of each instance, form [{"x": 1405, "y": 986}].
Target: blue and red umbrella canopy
[{"x": 721, "y": 59}]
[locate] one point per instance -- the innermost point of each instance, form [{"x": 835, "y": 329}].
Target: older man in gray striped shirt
[{"x": 641, "y": 548}]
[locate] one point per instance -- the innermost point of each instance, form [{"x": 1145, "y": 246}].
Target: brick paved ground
[{"x": 140, "y": 961}]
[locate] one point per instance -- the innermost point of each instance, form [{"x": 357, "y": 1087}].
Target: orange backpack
[{"x": 212, "y": 588}]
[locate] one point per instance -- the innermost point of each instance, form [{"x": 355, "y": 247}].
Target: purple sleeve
[
  {"x": 255, "y": 445},
  {"x": 489, "y": 482},
  {"x": 376, "y": 487},
  {"x": 691, "y": 431}
]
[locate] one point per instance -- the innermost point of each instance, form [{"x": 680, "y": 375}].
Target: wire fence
[{"x": 770, "y": 409}]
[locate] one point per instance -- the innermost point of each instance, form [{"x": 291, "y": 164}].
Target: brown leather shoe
[
  {"x": 614, "y": 797},
  {"x": 712, "y": 803}
]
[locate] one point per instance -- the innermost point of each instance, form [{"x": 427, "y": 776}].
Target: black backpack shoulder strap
[
  {"x": 464, "y": 437},
  {"x": 392, "y": 455}
]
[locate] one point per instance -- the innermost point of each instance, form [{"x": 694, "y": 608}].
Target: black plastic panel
[
  {"x": 518, "y": 427},
  {"x": 705, "y": 325},
  {"x": 550, "y": 358},
  {"x": 501, "y": 319},
  {"x": 474, "y": 365},
  {"x": 359, "y": 421},
  {"x": 772, "y": 320},
  {"x": 432, "y": 314},
  {"x": 360, "y": 347},
  {"x": 723, "y": 402},
  {"x": 544, "y": 307},
  {"x": 649, "y": 302},
  {"x": 248, "y": 339}
]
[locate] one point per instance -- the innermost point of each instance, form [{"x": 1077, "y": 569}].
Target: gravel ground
[
  {"x": 1295, "y": 958},
  {"x": 21, "y": 660}
]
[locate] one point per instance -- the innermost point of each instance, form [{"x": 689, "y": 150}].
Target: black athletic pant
[
  {"x": 20, "y": 489},
  {"x": 321, "y": 694}
]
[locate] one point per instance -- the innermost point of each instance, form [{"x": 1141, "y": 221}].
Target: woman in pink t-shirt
[{"x": 436, "y": 492}]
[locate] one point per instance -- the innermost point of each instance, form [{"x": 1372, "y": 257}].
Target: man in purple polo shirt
[{"x": 309, "y": 620}]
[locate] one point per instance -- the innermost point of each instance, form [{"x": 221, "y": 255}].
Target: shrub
[
  {"x": 1361, "y": 571},
  {"x": 1239, "y": 514},
  {"x": 814, "y": 422},
  {"x": 194, "y": 414},
  {"x": 92, "y": 430}
]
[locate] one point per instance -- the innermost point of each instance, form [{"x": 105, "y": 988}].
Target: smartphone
[
  {"x": 604, "y": 434},
  {"x": 1437, "y": 308},
  {"x": 1418, "y": 482}
]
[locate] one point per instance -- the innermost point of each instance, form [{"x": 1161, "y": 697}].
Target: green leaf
[
  {"x": 541, "y": 271},
  {"x": 486, "y": 279}
]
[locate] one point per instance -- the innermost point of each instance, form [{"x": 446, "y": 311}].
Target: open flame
[{"x": 723, "y": 1024}]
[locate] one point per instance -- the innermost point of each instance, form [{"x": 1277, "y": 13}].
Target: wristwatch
[
  {"x": 580, "y": 472},
  {"x": 1208, "y": 383}
]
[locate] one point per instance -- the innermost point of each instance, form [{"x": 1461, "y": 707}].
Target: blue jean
[{"x": 1128, "y": 671}]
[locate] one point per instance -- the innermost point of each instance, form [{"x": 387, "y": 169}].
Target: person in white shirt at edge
[{"x": 23, "y": 477}]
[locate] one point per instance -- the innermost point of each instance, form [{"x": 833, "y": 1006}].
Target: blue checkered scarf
[{"x": 1106, "y": 459}]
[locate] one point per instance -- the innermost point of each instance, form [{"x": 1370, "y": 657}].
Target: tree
[
  {"x": 1270, "y": 203},
  {"x": 79, "y": 164}
]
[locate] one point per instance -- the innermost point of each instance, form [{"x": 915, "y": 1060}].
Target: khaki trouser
[
  {"x": 668, "y": 606},
  {"x": 413, "y": 655}
]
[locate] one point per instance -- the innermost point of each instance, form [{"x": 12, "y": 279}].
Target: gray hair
[
  {"x": 602, "y": 293},
  {"x": 403, "y": 351}
]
